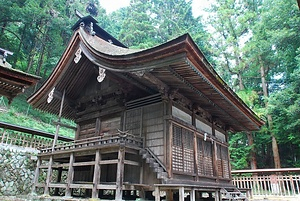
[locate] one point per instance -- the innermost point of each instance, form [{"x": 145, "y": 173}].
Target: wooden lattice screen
[
  {"x": 207, "y": 159},
  {"x": 183, "y": 154},
  {"x": 223, "y": 161},
  {"x": 200, "y": 156}
]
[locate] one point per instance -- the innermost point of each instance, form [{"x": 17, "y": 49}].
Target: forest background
[{"x": 253, "y": 45}]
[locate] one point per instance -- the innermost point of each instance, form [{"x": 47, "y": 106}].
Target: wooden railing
[
  {"x": 270, "y": 182},
  {"x": 26, "y": 137},
  {"x": 118, "y": 138}
]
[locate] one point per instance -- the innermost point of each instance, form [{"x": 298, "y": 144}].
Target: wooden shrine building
[
  {"x": 150, "y": 123},
  {"x": 13, "y": 81}
]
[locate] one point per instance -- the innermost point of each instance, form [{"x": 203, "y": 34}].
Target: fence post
[{"x": 3, "y": 135}]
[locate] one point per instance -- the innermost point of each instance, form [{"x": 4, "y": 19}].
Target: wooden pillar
[
  {"x": 97, "y": 172},
  {"x": 49, "y": 176},
  {"x": 170, "y": 150},
  {"x": 77, "y": 133},
  {"x": 181, "y": 193},
  {"x": 217, "y": 195},
  {"x": 36, "y": 175},
  {"x": 196, "y": 157},
  {"x": 70, "y": 175},
  {"x": 120, "y": 174},
  {"x": 157, "y": 194},
  {"x": 59, "y": 117},
  {"x": 193, "y": 195},
  {"x": 141, "y": 172},
  {"x": 169, "y": 195},
  {"x": 215, "y": 160}
]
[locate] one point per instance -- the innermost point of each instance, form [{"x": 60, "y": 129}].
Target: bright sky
[{"x": 112, "y": 5}]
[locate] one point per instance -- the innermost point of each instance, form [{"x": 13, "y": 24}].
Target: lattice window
[
  {"x": 223, "y": 161},
  {"x": 208, "y": 163},
  {"x": 177, "y": 155},
  {"x": 183, "y": 151},
  {"x": 219, "y": 161},
  {"x": 188, "y": 154},
  {"x": 200, "y": 156}
]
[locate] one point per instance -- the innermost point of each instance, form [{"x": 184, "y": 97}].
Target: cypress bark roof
[{"x": 13, "y": 81}]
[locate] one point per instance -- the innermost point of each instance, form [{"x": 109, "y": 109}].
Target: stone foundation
[{"x": 17, "y": 167}]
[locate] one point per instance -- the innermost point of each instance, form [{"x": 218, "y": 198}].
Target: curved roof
[
  {"x": 13, "y": 81},
  {"x": 175, "y": 65}
]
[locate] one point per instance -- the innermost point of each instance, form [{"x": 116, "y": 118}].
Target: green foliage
[
  {"x": 20, "y": 113},
  {"x": 249, "y": 36},
  {"x": 239, "y": 151}
]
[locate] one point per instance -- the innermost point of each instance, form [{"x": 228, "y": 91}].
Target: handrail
[
  {"x": 98, "y": 140},
  {"x": 270, "y": 185},
  {"x": 23, "y": 129},
  {"x": 262, "y": 171}
]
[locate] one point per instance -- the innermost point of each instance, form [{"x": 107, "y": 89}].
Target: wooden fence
[
  {"x": 269, "y": 182},
  {"x": 27, "y": 137}
]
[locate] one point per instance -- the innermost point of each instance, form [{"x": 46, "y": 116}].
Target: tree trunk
[
  {"x": 253, "y": 162},
  {"x": 276, "y": 155},
  {"x": 41, "y": 62},
  {"x": 241, "y": 84}
]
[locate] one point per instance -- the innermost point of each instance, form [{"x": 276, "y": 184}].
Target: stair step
[
  {"x": 146, "y": 155},
  {"x": 150, "y": 160},
  {"x": 158, "y": 169},
  {"x": 142, "y": 151},
  {"x": 154, "y": 165},
  {"x": 162, "y": 175}
]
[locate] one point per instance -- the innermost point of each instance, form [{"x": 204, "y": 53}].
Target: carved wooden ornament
[
  {"x": 101, "y": 75},
  {"x": 50, "y": 95},
  {"x": 77, "y": 55}
]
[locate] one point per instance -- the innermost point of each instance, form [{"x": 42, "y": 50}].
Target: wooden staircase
[
  {"x": 232, "y": 194},
  {"x": 155, "y": 164}
]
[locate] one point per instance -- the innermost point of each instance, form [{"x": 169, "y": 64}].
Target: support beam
[
  {"x": 36, "y": 175},
  {"x": 97, "y": 173},
  {"x": 157, "y": 194},
  {"x": 215, "y": 160},
  {"x": 192, "y": 195},
  {"x": 120, "y": 174},
  {"x": 70, "y": 175},
  {"x": 181, "y": 193},
  {"x": 49, "y": 175},
  {"x": 217, "y": 195},
  {"x": 59, "y": 117},
  {"x": 169, "y": 195}
]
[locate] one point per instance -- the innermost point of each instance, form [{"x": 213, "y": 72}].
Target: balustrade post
[{"x": 3, "y": 135}]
